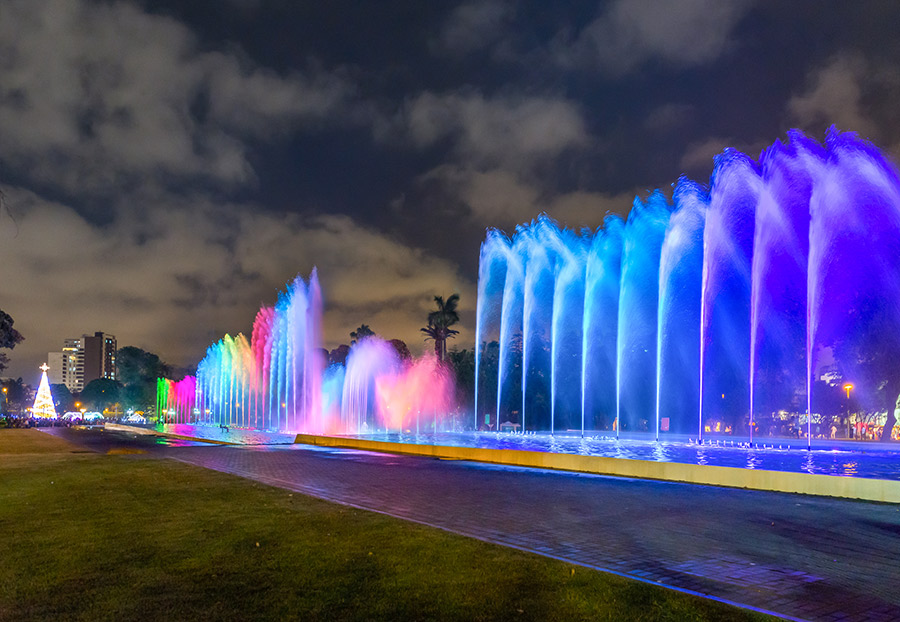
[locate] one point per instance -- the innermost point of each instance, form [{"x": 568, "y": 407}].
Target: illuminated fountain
[
  {"x": 719, "y": 313},
  {"x": 736, "y": 310},
  {"x": 279, "y": 379}
]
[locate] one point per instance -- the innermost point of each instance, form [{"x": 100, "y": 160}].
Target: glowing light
[{"x": 43, "y": 407}]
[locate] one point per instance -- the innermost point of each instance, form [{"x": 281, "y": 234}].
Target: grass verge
[{"x": 124, "y": 537}]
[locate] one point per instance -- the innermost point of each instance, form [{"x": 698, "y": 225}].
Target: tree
[
  {"x": 488, "y": 366},
  {"x": 338, "y": 356},
  {"x": 9, "y": 337},
  {"x": 879, "y": 369},
  {"x": 62, "y": 398},
  {"x": 463, "y": 362},
  {"x": 101, "y": 394},
  {"x": 439, "y": 323},
  {"x": 361, "y": 333},
  {"x": 138, "y": 371},
  {"x": 402, "y": 349},
  {"x": 135, "y": 396},
  {"x": 134, "y": 365},
  {"x": 870, "y": 359},
  {"x": 18, "y": 396}
]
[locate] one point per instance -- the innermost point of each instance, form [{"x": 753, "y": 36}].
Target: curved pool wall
[
  {"x": 665, "y": 466},
  {"x": 836, "y": 469},
  {"x": 731, "y": 311},
  {"x": 837, "y": 458},
  {"x": 873, "y": 460}
]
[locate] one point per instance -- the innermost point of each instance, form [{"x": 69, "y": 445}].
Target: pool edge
[
  {"x": 863, "y": 489},
  {"x": 120, "y": 427}
]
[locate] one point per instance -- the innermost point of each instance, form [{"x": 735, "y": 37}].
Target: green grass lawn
[{"x": 125, "y": 537}]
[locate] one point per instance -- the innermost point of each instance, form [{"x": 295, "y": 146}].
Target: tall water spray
[
  {"x": 638, "y": 305},
  {"x": 509, "y": 383},
  {"x": 678, "y": 319},
  {"x": 566, "y": 329},
  {"x": 491, "y": 279},
  {"x": 537, "y": 323},
  {"x": 853, "y": 276},
  {"x": 278, "y": 380},
  {"x": 725, "y": 295},
  {"x": 600, "y": 326},
  {"x": 778, "y": 276}
]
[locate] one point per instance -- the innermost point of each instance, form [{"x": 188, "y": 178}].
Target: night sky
[{"x": 168, "y": 166}]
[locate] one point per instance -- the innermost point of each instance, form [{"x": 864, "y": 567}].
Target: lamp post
[
  {"x": 5, "y": 400},
  {"x": 847, "y": 388}
]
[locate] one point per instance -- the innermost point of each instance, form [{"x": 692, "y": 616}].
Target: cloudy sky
[{"x": 168, "y": 166}]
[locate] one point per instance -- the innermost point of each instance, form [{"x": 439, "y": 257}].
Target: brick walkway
[{"x": 800, "y": 557}]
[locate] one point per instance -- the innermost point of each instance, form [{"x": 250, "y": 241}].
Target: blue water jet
[
  {"x": 678, "y": 332},
  {"x": 638, "y": 308}
]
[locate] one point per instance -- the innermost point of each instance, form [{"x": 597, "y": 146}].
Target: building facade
[{"x": 82, "y": 360}]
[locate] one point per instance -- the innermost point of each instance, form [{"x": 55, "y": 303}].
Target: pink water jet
[{"x": 278, "y": 380}]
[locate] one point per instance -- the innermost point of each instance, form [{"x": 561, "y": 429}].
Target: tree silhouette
[
  {"x": 401, "y": 348},
  {"x": 439, "y": 323},
  {"x": 137, "y": 371},
  {"x": 62, "y": 398},
  {"x": 361, "y": 333},
  {"x": 101, "y": 394},
  {"x": 9, "y": 337}
]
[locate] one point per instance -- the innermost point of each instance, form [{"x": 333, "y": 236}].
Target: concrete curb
[{"x": 865, "y": 489}]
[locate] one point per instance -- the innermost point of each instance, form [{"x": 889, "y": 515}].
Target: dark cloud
[
  {"x": 508, "y": 131},
  {"x": 111, "y": 93},
  {"x": 473, "y": 26},
  {"x": 629, "y": 33},
  {"x": 668, "y": 117}
]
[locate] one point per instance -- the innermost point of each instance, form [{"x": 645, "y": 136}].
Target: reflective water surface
[{"x": 846, "y": 459}]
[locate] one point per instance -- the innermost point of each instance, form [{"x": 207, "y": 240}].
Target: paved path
[
  {"x": 804, "y": 557},
  {"x": 801, "y": 557}
]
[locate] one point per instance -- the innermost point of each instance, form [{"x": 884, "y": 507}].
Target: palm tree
[{"x": 439, "y": 323}]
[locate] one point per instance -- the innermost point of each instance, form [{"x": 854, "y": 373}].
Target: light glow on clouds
[
  {"x": 834, "y": 95},
  {"x": 201, "y": 272}
]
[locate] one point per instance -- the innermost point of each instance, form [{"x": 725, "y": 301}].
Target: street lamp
[
  {"x": 5, "y": 400},
  {"x": 848, "y": 387}
]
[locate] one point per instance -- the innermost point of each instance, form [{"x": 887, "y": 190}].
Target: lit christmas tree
[{"x": 43, "y": 402}]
